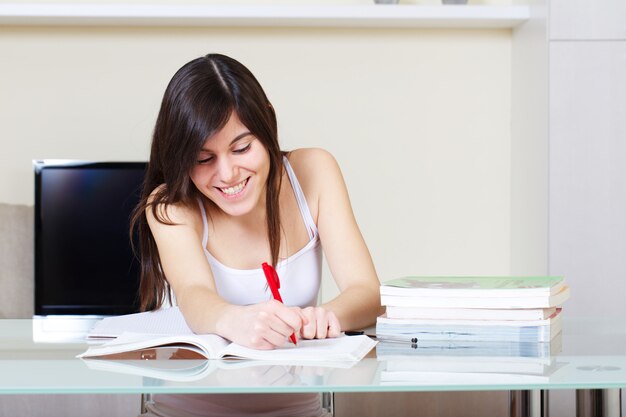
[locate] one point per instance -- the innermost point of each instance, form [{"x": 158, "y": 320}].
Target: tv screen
[{"x": 84, "y": 264}]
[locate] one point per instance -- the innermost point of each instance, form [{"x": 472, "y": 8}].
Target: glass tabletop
[{"x": 590, "y": 354}]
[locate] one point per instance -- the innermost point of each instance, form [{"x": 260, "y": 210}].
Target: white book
[
  {"x": 165, "y": 322},
  {"x": 167, "y": 328},
  {"x": 384, "y": 319},
  {"x": 396, "y": 312},
  {"x": 211, "y": 346},
  {"x": 427, "y": 348},
  {"x": 403, "y": 330},
  {"x": 473, "y": 286},
  {"x": 545, "y": 301}
]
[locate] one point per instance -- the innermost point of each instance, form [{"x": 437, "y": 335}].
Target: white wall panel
[
  {"x": 588, "y": 174},
  {"x": 588, "y": 19},
  {"x": 529, "y": 145}
]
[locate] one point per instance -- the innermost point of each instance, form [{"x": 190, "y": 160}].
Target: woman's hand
[
  {"x": 265, "y": 325},
  {"x": 319, "y": 323}
]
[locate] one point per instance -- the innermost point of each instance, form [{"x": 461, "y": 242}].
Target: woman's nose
[{"x": 226, "y": 170}]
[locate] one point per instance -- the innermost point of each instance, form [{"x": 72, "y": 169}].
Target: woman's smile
[{"x": 235, "y": 190}]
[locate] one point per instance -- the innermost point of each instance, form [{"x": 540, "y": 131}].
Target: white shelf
[{"x": 364, "y": 16}]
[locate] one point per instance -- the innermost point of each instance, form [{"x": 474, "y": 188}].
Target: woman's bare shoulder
[{"x": 313, "y": 165}]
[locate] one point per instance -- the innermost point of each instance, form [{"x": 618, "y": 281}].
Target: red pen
[{"x": 274, "y": 283}]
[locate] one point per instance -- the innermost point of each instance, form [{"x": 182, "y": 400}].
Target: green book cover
[{"x": 476, "y": 283}]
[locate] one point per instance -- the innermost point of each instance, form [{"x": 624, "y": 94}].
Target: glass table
[{"x": 592, "y": 360}]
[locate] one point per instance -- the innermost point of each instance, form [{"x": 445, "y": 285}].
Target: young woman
[{"x": 220, "y": 198}]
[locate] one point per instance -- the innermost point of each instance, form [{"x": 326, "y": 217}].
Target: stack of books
[
  {"x": 472, "y": 309},
  {"x": 488, "y": 330}
]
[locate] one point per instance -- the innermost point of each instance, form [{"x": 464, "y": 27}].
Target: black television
[{"x": 84, "y": 264}]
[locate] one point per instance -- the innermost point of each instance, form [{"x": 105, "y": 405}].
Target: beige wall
[{"x": 419, "y": 120}]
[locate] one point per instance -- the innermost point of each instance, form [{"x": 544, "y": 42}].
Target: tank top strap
[
  {"x": 205, "y": 223},
  {"x": 301, "y": 199}
]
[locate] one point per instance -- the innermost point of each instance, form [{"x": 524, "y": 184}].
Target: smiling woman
[
  {"x": 220, "y": 199},
  {"x": 232, "y": 173}
]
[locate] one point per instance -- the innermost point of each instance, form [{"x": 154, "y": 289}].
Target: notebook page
[{"x": 166, "y": 321}]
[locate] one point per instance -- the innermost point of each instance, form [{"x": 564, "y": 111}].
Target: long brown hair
[{"x": 197, "y": 103}]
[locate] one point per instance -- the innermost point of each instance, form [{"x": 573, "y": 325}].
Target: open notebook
[
  {"x": 167, "y": 328},
  {"x": 163, "y": 322}
]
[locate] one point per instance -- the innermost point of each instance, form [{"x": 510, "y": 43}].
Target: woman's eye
[
  {"x": 205, "y": 160},
  {"x": 242, "y": 150}
]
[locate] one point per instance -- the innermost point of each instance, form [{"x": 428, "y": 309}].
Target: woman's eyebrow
[{"x": 240, "y": 136}]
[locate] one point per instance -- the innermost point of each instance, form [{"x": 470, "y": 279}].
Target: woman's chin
[{"x": 235, "y": 209}]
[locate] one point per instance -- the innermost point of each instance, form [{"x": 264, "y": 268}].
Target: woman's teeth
[{"x": 234, "y": 189}]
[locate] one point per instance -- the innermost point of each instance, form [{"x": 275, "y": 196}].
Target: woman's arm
[
  {"x": 348, "y": 258},
  {"x": 262, "y": 326}
]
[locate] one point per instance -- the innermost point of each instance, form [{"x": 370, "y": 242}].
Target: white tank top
[{"x": 300, "y": 274}]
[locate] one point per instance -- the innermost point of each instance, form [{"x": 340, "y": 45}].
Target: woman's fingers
[
  {"x": 320, "y": 324},
  {"x": 274, "y": 323},
  {"x": 261, "y": 326},
  {"x": 334, "y": 328},
  {"x": 271, "y": 324}
]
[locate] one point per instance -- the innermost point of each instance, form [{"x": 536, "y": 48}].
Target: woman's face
[{"x": 232, "y": 169}]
